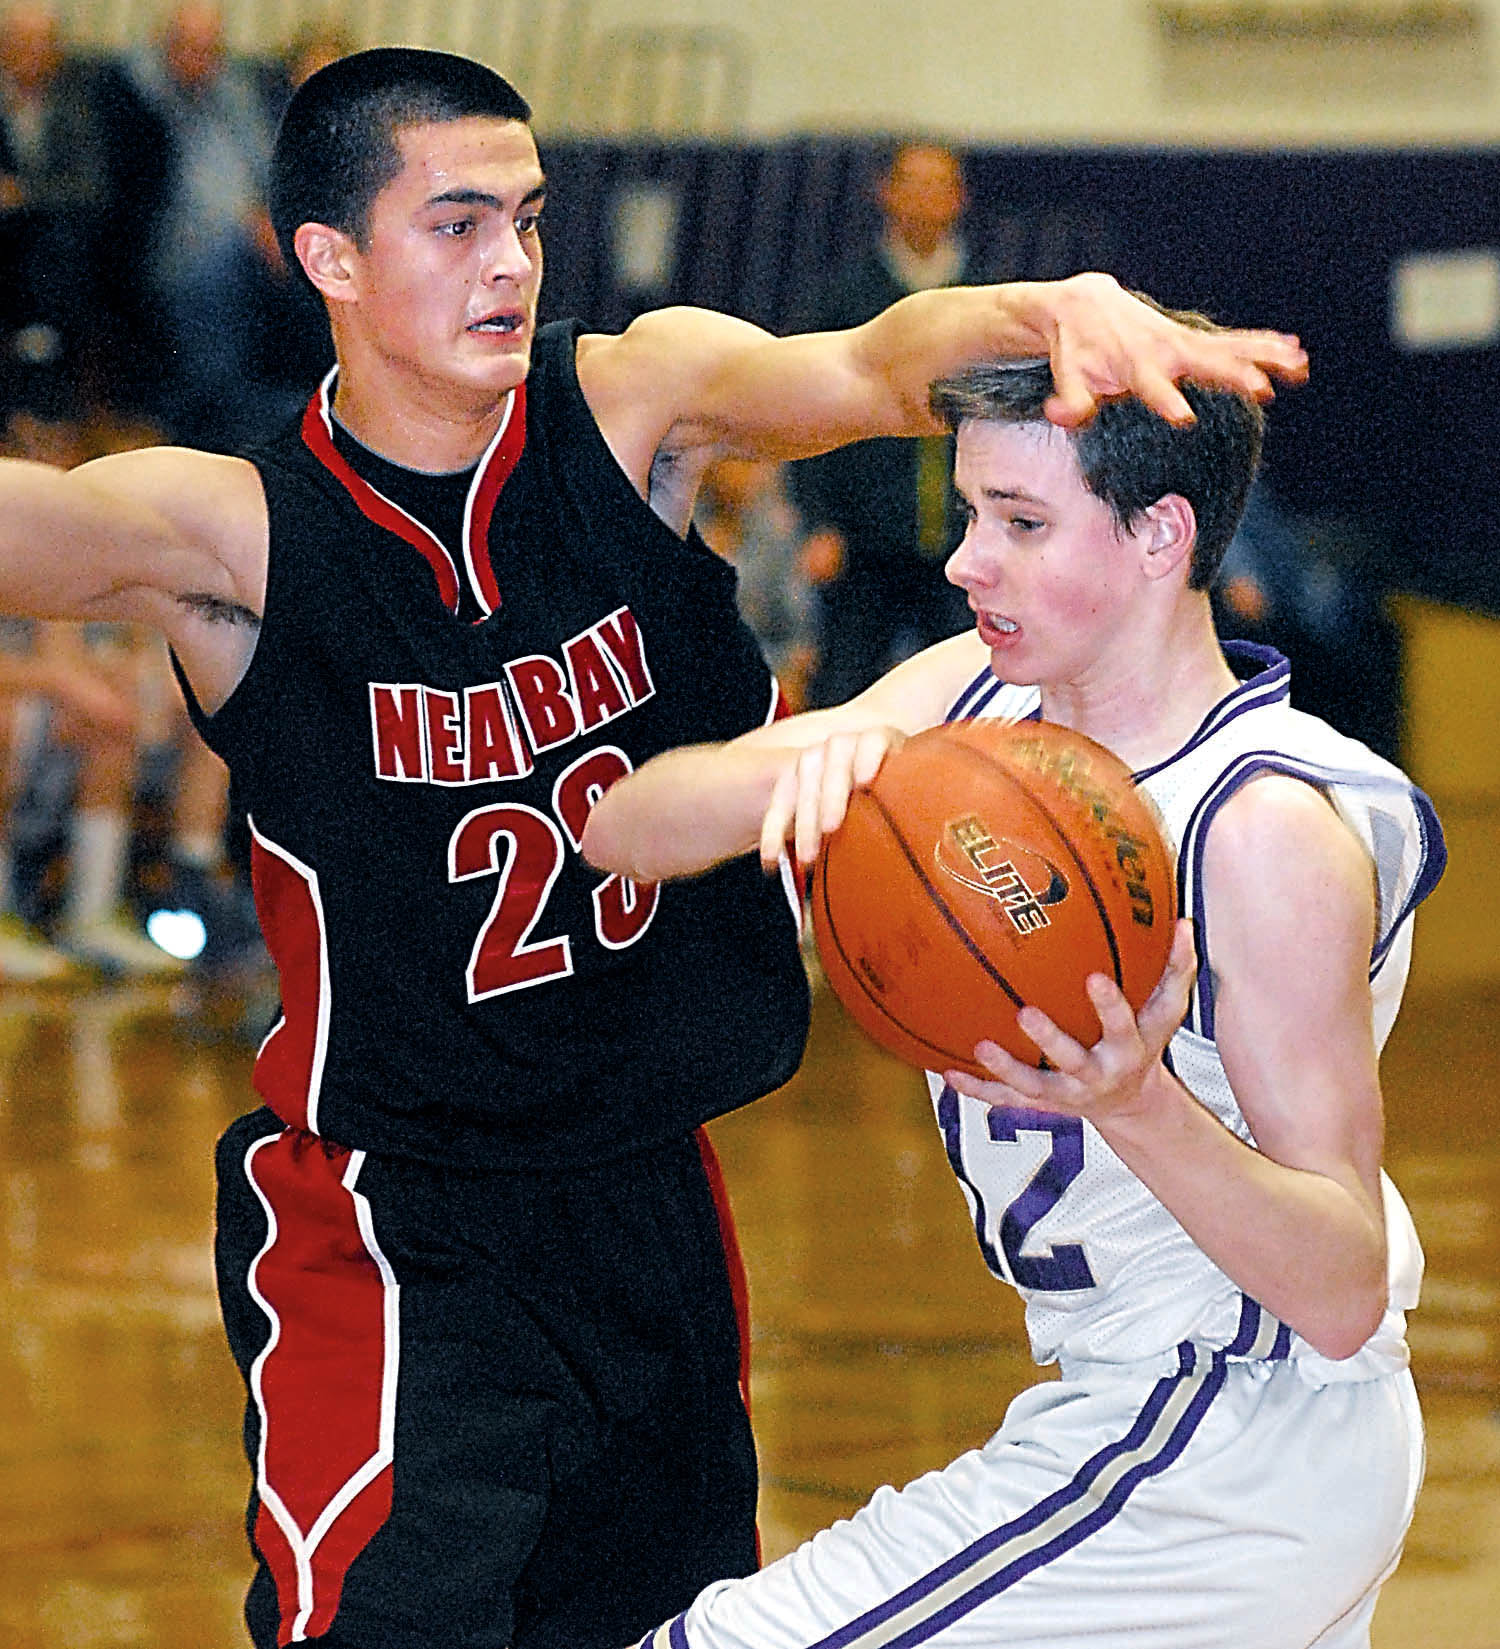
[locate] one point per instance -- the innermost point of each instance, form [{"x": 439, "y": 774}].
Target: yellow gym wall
[{"x": 1251, "y": 72}]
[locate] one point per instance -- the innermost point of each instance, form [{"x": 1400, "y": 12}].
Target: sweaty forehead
[{"x": 479, "y": 152}]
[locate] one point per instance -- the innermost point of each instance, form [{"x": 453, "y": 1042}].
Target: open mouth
[
  {"x": 996, "y": 622},
  {"x": 506, "y": 321}
]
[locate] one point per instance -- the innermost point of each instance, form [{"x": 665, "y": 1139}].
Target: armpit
[
  {"x": 219, "y": 611},
  {"x": 672, "y": 488}
]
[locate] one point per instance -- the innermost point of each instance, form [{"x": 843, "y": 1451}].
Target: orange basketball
[{"x": 990, "y": 865}]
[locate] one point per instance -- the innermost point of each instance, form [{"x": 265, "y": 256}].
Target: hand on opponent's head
[{"x": 1105, "y": 342}]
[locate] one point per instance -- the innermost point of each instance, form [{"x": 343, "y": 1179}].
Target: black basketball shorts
[{"x": 483, "y": 1410}]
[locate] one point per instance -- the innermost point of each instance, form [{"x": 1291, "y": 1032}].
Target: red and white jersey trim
[
  {"x": 499, "y": 459},
  {"x": 314, "y": 1463},
  {"x": 289, "y": 1064}
]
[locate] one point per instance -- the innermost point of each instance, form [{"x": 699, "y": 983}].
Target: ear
[
  {"x": 330, "y": 260},
  {"x": 1166, "y": 534}
]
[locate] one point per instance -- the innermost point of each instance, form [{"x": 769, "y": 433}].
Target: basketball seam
[
  {"x": 944, "y": 910},
  {"x": 1036, "y": 801},
  {"x": 821, "y": 885}
]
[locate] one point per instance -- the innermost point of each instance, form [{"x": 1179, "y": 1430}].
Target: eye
[
  {"x": 456, "y": 228},
  {"x": 1026, "y": 523},
  {"x": 529, "y": 222}
]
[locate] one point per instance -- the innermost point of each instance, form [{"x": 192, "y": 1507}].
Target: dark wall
[{"x": 1400, "y": 446}]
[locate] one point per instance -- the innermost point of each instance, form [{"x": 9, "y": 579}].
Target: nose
[
  {"x": 960, "y": 567},
  {"x": 506, "y": 257}
]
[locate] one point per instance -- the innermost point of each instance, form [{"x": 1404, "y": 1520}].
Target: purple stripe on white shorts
[{"x": 1055, "y": 1525}]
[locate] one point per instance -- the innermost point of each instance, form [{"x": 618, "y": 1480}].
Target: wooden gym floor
[{"x": 881, "y": 1346}]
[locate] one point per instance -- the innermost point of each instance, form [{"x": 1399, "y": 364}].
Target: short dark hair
[
  {"x": 1128, "y": 455},
  {"x": 336, "y": 148}
]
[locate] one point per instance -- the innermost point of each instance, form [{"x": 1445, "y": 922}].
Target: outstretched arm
[
  {"x": 114, "y": 538},
  {"x": 165, "y": 537},
  {"x": 1297, "y": 1223},
  {"x": 687, "y": 380}
]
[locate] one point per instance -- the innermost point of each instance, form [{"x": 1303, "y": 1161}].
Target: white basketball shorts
[{"x": 1220, "y": 1505}]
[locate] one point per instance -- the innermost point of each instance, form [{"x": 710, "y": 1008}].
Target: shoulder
[
  {"x": 639, "y": 382},
  {"x": 190, "y": 488},
  {"x": 1281, "y": 866}
]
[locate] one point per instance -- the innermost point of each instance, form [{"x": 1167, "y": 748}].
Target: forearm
[
  {"x": 684, "y": 811},
  {"x": 931, "y": 334},
  {"x": 692, "y": 808},
  {"x": 1308, "y": 1246}
]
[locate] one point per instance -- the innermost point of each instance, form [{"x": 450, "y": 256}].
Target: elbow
[{"x": 1348, "y": 1329}]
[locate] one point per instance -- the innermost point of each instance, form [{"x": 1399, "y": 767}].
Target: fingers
[
  {"x": 780, "y": 813},
  {"x": 1166, "y": 1007},
  {"x": 811, "y": 796},
  {"x": 1278, "y": 353},
  {"x": 1108, "y": 343}
]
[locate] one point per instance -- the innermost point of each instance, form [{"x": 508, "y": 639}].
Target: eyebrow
[
  {"x": 1003, "y": 495},
  {"x": 482, "y": 197}
]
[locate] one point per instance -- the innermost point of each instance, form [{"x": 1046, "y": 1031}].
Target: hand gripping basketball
[{"x": 988, "y": 866}]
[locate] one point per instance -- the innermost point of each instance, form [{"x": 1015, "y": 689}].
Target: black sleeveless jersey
[{"x": 457, "y": 983}]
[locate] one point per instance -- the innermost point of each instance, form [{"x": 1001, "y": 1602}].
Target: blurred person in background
[
  {"x": 890, "y": 501},
  {"x": 293, "y": 347},
  {"x": 746, "y": 517},
  {"x": 69, "y": 724},
  {"x": 191, "y": 131},
  {"x": 1318, "y": 596},
  {"x": 52, "y": 187}
]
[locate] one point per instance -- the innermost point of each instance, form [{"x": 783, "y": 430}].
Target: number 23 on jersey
[{"x": 525, "y": 848}]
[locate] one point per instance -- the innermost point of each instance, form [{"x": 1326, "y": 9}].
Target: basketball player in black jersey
[{"x": 471, "y": 1260}]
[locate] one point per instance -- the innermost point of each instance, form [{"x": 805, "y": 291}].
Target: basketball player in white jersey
[
  {"x": 1193, "y": 1208},
  {"x": 492, "y": 1470}
]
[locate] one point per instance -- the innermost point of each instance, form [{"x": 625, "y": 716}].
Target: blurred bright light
[{"x": 180, "y": 933}]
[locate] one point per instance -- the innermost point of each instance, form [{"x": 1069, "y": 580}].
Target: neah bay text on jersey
[{"x": 425, "y": 735}]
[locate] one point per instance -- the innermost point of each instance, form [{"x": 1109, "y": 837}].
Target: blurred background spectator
[
  {"x": 53, "y": 187},
  {"x": 745, "y": 516},
  {"x": 190, "y": 128},
  {"x": 1316, "y": 592},
  {"x": 890, "y": 502}
]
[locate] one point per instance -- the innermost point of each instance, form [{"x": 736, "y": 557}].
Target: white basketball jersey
[{"x": 1106, "y": 1272}]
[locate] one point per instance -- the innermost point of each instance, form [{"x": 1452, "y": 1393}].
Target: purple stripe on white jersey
[
  {"x": 1269, "y": 685},
  {"x": 948, "y": 1123},
  {"x": 975, "y": 696},
  {"x": 1251, "y": 764},
  {"x": 1249, "y": 1326},
  {"x": 1434, "y": 863},
  {"x": 1261, "y": 1337}
]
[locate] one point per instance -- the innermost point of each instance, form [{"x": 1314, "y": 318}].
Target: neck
[
  {"x": 1148, "y": 705},
  {"x": 418, "y": 424}
]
